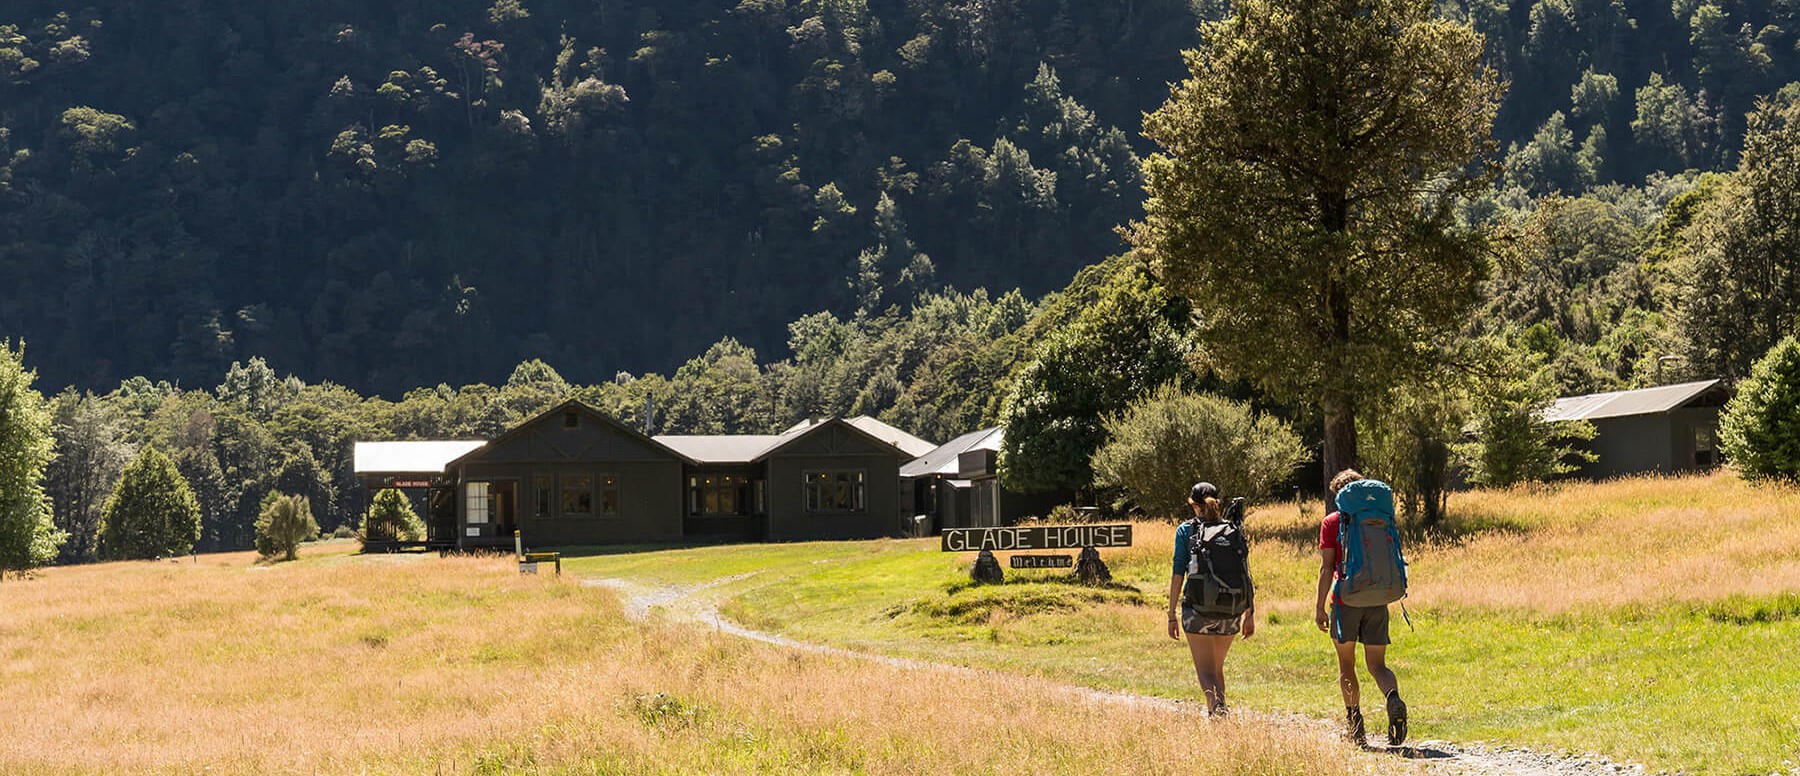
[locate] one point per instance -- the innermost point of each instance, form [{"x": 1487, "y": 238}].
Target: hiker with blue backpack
[
  {"x": 1362, "y": 570},
  {"x": 1211, "y": 598}
]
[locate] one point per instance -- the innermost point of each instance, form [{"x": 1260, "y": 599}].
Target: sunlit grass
[
  {"x": 419, "y": 664},
  {"x": 1580, "y": 618}
]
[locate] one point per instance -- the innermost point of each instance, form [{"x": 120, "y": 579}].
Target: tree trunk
[{"x": 1340, "y": 435}]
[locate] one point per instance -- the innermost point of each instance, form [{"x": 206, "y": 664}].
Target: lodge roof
[
  {"x": 423, "y": 457},
  {"x": 943, "y": 459},
  {"x": 1618, "y": 404},
  {"x": 719, "y": 448},
  {"x": 911, "y": 445}
]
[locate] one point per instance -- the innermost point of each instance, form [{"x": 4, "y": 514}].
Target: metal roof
[
  {"x": 721, "y": 449},
  {"x": 943, "y": 459},
  {"x": 1618, "y": 404},
  {"x": 909, "y": 444},
  {"x": 428, "y": 457}
]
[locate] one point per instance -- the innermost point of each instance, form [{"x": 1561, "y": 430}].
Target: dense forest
[
  {"x": 388, "y": 194},
  {"x": 248, "y": 236}
]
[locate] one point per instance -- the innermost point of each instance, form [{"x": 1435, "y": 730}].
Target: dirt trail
[{"x": 699, "y": 604}]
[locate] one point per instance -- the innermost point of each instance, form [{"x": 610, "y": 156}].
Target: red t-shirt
[{"x": 1328, "y": 540}]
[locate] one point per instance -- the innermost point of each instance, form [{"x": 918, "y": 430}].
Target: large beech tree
[
  {"x": 28, "y": 536},
  {"x": 1304, "y": 196}
]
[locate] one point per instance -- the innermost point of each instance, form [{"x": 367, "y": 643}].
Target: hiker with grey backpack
[
  {"x": 1211, "y": 598},
  {"x": 1361, "y": 570}
]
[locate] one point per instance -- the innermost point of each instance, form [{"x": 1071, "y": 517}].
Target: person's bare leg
[
  {"x": 1211, "y": 682},
  {"x": 1220, "y": 646},
  {"x": 1352, "y": 691},
  {"x": 1390, "y": 691}
]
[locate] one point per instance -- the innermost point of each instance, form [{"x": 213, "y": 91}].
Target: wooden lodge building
[
  {"x": 574, "y": 476},
  {"x": 1667, "y": 428}
]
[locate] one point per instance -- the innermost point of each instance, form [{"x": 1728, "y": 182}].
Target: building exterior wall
[
  {"x": 647, "y": 482},
  {"x": 649, "y": 501},
  {"x": 881, "y": 513},
  {"x": 1629, "y": 445}
]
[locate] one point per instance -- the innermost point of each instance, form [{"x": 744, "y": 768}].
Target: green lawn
[{"x": 1703, "y": 688}]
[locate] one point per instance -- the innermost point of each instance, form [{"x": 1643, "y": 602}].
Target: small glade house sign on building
[{"x": 1087, "y": 538}]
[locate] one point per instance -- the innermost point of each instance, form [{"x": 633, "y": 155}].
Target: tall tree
[
  {"x": 91, "y": 452},
  {"x": 28, "y": 535},
  {"x": 1303, "y": 198},
  {"x": 152, "y": 514}
]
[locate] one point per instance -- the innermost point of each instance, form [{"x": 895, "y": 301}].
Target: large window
[
  {"x": 718, "y": 494},
  {"x": 544, "y": 495},
  {"x": 577, "y": 495},
  {"x": 834, "y": 491},
  {"x": 475, "y": 503}
]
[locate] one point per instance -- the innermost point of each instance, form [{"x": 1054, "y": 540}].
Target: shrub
[
  {"x": 343, "y": 532},
  {"x": 153, "y": 512},
  {"x": 391, "y": 518},
  {"x": 1165, "y": 443},
  {"x": 1759, "y": 431},
  {"x": 285, "y": 522}
]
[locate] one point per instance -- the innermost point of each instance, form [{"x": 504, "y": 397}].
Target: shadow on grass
[{"x": 1456, "y": 528}]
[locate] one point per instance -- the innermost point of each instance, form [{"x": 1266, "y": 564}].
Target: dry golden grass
[
  {"x": 351, "y": 664},
  {"x": 1553, "y": 549}
]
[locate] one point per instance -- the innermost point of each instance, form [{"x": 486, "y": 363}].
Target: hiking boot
[
  {"x": 1355, "y": 732},
  {"x": 1396, "y": 711},
  {"x": 1218, "y": 711}
]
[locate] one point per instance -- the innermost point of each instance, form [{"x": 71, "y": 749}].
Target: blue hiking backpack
[{"x": 1374, "y": 568}]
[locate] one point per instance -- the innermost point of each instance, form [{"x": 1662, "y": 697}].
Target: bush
[
  {"x": 343, "y": 532},
  {"x": 1165, "y": 443},
  {"x": 285, "y": 522},
  {"x": 391, "y": 518},
  {"x": 1759, "y": 431},
  {"x": 152, "y": 513}
]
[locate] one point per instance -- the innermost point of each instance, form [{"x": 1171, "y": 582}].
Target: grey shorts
[
  {"x": 1209, "y": 626},
  {"x": 1360, "y": 624}
]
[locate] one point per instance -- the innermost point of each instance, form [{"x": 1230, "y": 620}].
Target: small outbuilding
[
  {"x": 1668, "y": 429},
  {"x": 958, "y": 485}
]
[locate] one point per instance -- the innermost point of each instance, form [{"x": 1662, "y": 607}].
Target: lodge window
[
  {"x": 475, "y": 503},
  {"x": 544, "y": 494},
  {"x": 718, "y": 494},
  {"x": 834, "y": 491},
  {"x": 609, "y": 494},
  {"x": 577, "y": 495}
]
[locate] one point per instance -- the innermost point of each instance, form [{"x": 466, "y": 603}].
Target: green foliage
[
  {"x": 91, "y": 454},
  {"x": 1130, "y": 341},
  {"x": 1740, "y": 282},
  {"x": 1409, "y": 441},
  {"x": 1290, "y": 200},
  {"x": 1513, "y": 442},
  {"x": 391, "y": 517},
  {"x": 1160, "y": 446},
  {"x": 285, "y": 522},
  {"x": 29, "y": 536},
  {"x": 152, "y": 513},
  {"x": 1759, "y": 431}
]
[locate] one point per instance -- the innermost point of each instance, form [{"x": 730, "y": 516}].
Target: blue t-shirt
[{"x": 1184, "y": 537}]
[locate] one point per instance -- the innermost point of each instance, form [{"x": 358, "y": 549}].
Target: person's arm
[
  {"x": 1248, "y": 625},
  {"x": 1327, "y": 569},
  {"x": 1175, "y": 581}
]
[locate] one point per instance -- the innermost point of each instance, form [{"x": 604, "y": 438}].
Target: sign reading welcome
[{"x": 1038, "y": 537}]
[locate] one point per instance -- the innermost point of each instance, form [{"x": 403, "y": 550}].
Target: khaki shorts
[
  {"x": 1360, "y": 624},
  {"x": 1209, "y": 626}
]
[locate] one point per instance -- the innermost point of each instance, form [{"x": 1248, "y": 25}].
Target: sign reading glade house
[
  {"x": 986, "y": 541},
  {"x": 1038, "y": 537}
]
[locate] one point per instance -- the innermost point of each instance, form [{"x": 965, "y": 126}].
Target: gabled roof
[
  {"x": 426, "y": 457},
  {"x": 942, "y": 461},
  {"x": 909, "y": 444},
  {"x": 1618, "y": 404},
  {"x": 579, "y": 406}
]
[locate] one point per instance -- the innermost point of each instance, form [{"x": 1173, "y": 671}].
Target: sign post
[{"x": 1086, "y": 538}]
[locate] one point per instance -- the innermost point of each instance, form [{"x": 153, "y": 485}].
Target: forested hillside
[{"x": 389, "y": 194}]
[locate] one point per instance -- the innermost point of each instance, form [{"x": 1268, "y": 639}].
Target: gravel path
[{"x": 699, "y": 604}]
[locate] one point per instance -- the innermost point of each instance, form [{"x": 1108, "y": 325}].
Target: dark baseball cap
[{"x": 1201, "y": 492}]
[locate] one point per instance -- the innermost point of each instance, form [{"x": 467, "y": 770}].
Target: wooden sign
[
  {"x": 412, "y": 483},
  {"x": 1043, "y": 561},
  {"x": 1041, "y": 537}
]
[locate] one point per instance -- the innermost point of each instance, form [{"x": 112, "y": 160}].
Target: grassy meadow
[
  {"x": 339, "y": 663},
  {"x": 1650, "y": 620}
]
